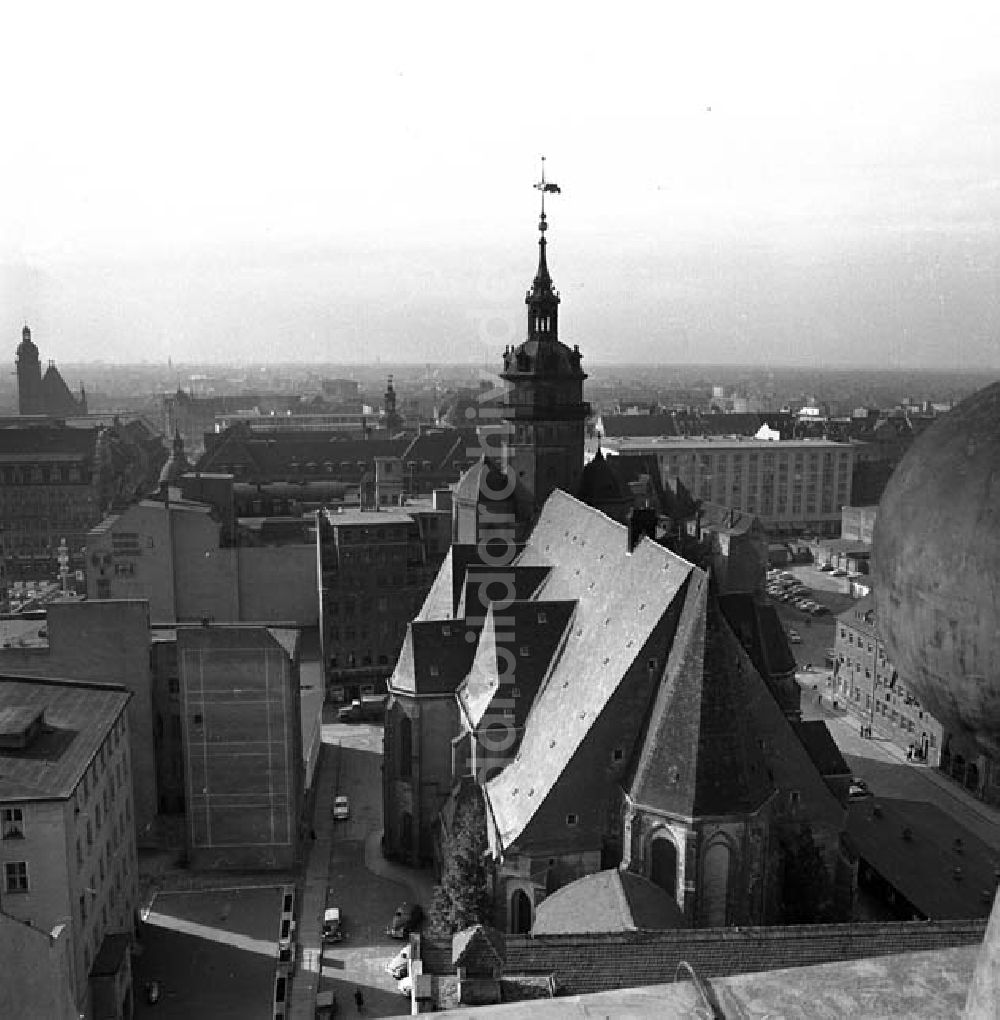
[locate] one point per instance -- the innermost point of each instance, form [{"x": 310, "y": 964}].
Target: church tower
[
  {"x": 29, "y": 376},
  {"x": 544, "y": 402}
]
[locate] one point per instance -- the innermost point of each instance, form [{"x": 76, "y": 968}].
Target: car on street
[
  {"x": 405, "y": 985},
  {"x": 826, "y": 567},
  {"x": 858, "y": 789},
  {"x": 839, "y": 572},
  {"x": 405, "y": 920},
  {"x": 341, "y": 808},
  {"x": 332, "y": 929},
  {"x": 399, "y": 965}
]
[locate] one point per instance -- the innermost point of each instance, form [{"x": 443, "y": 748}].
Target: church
[
  {"x": 45, "y": 394},
  {"x": 582, "y": 678}
]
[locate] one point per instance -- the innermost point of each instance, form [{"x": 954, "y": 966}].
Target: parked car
[
  {"x": 332, "y": 929},
  {"x": 399, "y": 965},
  {"x": 858, "y": 789},
  {"x": 341, "y": 808},
  {"x": 405, "y": 986},
  {"x": 826, "y": 566},
  {"x": 839, "y": 573},
  {"x": 405, "y": 920}
]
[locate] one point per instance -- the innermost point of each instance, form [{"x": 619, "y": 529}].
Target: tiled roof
[
  {"x": 435, "y": 657},
  {"x": 530, "y": 634},
  {"x": 701, "y": 757},
  {"x": 822, "y": 748},
  {"x": 621, "y": 597},
  {"x": 37, "y": 440},
  {"x": 479, "y": 949},
  {"x": 922, "y": 867},
  {"x": 607, "y": 901},
  {"x": 77, "y": 720},
  {"x": 593, "y": 963}
]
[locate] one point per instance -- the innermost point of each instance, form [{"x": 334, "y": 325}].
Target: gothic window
[{"x": 715, "y": 884}]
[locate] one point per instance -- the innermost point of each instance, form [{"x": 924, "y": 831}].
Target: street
[{"x": 365, "y": 886}]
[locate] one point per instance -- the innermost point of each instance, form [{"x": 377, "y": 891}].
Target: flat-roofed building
[
  {"x": 67, "y": 839},
  {"x": 242, "y": 745},
  {"x": 793, "y": 486},
  {"x": 376, "y": 568}
]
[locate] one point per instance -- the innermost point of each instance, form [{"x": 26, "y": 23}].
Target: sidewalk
[
  {"x": 420, "y": 882},
  {"x": 315, "y": 881},
  {"x": 844, "y": 728}
]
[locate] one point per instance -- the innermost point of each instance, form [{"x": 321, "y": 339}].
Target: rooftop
[{"x": 77, "y": 720}]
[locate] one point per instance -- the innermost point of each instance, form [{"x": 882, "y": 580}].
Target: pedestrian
[
  {"x": 862, "y": 732},
  {"x": 359, "y": 999},
  {"x": 312, "y": 834}
]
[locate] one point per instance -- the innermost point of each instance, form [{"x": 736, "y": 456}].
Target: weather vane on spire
[{"x": 546, "y": 187}]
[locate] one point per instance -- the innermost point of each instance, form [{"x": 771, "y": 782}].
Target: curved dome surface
[{"x": 936, "y": 567}]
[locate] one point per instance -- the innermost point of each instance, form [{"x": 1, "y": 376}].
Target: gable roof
[
  {"x": 479, "y": 949},
  {"x": 515, "y": 661},
  {"x": 621, "y": 596},
  {"x": 700, "y": 757},
  {"x": 435, "y": 657}
]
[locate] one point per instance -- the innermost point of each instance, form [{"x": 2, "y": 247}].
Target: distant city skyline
[{"x": 771, "y": 185}]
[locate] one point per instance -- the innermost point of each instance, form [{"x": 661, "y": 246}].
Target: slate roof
[
  {"x": 726, "y": 519},
  {"x": 435, "y": 657},
  {"x": 481, "y": 585},
  {"x": 607, "y": 901},
  {"x": 599, "y": 483},
  {"x": 530, "y": 635},
  {"x": 760, "y": 632},
  {"x": 700, "y": 757},
  {"x": 822, "y": 748},
  {"x": 77, "y": 720},
  {"x": 621, "y": 596}
]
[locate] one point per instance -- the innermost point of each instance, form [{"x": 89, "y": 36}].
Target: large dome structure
[{"x": 936, "y": 566}]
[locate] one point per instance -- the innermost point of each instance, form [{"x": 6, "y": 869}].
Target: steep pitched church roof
[
  {"x": 513, "y": 658},
  {"x": 700, "y": 755},
  {"x": 621, "y": 596},
  {"x": 56, "y": 395}
]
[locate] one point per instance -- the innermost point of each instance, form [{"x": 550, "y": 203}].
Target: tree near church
[
  {"x": 806, "y": 888},
  {"x": 462, "y": 899}
]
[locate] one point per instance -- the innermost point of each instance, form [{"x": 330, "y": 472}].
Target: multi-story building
[
  {"x": 872, "y": 690},
  {"x": 192, "y": 560},
  {"x": 242, "y": 737},
  {"x": 376, "y": 567},
  {"x": 792, "y": 486},
  {"x": 96, "y": 642},
  {"x": 67, "y": 837},
  {"x": 57, "y": 482}
]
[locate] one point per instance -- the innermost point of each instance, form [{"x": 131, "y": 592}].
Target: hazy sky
[{"x": 798, "y": 183}]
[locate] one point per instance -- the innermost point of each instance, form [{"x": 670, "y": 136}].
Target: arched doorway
[
  {"x": 520, "y": 913},
  {"x": 715, "y": 884},
  {"x": 663, "y": 864}
]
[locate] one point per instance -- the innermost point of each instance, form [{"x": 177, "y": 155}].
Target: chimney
[{"x": 641, "y": 521}]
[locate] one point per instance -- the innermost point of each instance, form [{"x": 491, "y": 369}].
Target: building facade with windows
[
  {"x": 376, "y": 567},
  {"x": 872, "y": 690},
  {"x": 793, "y": 486},
  {"x": 67, "y": 836}
]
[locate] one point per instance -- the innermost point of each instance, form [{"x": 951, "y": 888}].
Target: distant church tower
[
  {"x": 392, "y": 421},
  {"x": 544, "y": 402},
  {"x": 29, "y": 376}
]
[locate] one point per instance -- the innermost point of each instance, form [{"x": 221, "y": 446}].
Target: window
[
  {"x": 435, "y": 671},
  {"x": 12, "y": 820},
  {"x": 617, "y": 754},
  {"x": 572, "y": 819},
  {"x": 525, "y": 651},
  {"x": 16, "y": 876}
]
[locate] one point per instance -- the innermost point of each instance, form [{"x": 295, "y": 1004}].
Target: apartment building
[
  {"x": 872, "y": 690},
  {"x": 67, "y": 839},
  {"x": 793, "y": 486}
]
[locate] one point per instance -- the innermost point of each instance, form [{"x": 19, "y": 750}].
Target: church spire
[{"x": 543, "y": 300}]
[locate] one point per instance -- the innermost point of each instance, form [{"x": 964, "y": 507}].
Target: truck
[{"x": 370, "y": 706}]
